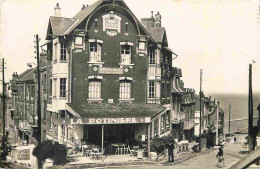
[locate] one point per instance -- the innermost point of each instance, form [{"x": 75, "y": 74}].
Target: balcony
[
  {"x": 155, "y": 100},
  {"x": 154, "y": 70},
  {"x": 189, "y": 124}
]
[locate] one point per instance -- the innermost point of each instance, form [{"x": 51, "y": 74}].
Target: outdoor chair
[
  {"x": 136, "y": 148},
  {"x": 131, "y": 151},
  {"x": 119, "y": 149},
  {"x": 125, "y": 149}
]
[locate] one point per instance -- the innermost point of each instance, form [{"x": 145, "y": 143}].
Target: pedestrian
[
  {"x": 235, "y": 139},
  {"x": 220, "y": 157},
  {"x": 170, "y": 152}
]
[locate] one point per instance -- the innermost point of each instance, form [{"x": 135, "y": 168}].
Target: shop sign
[
  {"x": 110, "y": 70},
  {"x": 123, "y": 120}
]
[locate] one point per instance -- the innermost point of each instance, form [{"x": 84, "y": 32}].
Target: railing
[
  {"x": 154, "y": 70},
  {"x": 188, "y": 124},
  {"x": 155, "y": 100}
]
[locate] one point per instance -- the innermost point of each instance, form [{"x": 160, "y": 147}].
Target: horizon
[{"x": 200, "y": 33}]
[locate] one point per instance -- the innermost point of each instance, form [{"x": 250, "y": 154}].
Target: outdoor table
[
  {"x": 84, "y": 147},
  {"x": 72, "y": 157},
  {"x": 119, "y": 148}
]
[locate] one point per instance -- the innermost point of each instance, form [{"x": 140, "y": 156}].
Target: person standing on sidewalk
[
  {"x": 220, "y": 157},
  {"x": 170, "y": 152}
]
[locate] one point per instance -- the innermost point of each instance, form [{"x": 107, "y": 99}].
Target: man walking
[
  {"x": 170, "y": 152},
  {"x": 220, "y": 157}
]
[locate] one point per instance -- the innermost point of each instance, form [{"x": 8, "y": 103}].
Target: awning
[
  {"x": 183, "y": 142},
  {"x": 106, "y": 113},
  {"x": 179, "y": 86},
  {"x": 168, "y": 49}
]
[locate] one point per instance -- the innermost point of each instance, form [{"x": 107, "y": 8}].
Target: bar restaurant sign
[
  {"x": 123, "y": 120},
  {"x": 110, "y": 70}
]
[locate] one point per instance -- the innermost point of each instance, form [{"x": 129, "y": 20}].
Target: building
[
  {"x": 23, "y": 102},
  {"x": 108, "y": 76}
]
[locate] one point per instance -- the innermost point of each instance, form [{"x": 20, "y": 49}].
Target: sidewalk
[{"x": 187, "y": 156}]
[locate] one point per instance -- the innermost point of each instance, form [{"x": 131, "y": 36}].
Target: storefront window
[{"x": 156, "y": 127}]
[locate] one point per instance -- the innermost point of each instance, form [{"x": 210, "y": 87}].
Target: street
[{"x": 232, "y": 154}]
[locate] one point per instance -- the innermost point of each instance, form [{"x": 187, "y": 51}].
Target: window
[
  {"x": 151, "y": 54},
  {"x": 21, "y": 92},
  {"x": 44, "y": 82},
  {"x": 126, "y": 26},
  {"x": 95, "y": 52},
  {"x": 63, "y": 87},
  {"x": 162, "y": 124},
  {"x": 54, "y": 88},
  {"x": 151, "y": 93},
  {"x": 94, "y": 89},
  {"x": 32, "y": 92},
  {"x": 63, "y": 51},
  {"x": 126, "y": 54},
  {"x": 63, "y": 131},
  {"x": 96, "y": 23},
  {"x": 156, "y": 126},
  {"x": 78, "y": 40},
  {"x": 50, "y": 87},
  {"x": 141, "y": 45},
  {"x": 28, "y": 93},
  {"x": 55, "y": 51},
  {"x": 125, "y": 90},
  {"x": 51, "y": 125}
]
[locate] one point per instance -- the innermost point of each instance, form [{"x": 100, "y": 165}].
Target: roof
[
  {"x": 27, "y": 75},
  {"x": 81, "y": 15},
  {"x": 60, "y": 25},
  {"x": 95, "y": 110},
  {"x": 156, "y": 33}
]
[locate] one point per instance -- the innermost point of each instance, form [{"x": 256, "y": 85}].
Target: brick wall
[{"x": 111, "y": 58}]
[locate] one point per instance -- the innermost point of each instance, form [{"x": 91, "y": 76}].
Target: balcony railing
[
  {"x": 154, "y": 70},
  {"x": 189, "y": 124},
  {"x": 155, "y": 100}
]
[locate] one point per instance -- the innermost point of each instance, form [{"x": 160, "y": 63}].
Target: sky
[{"x": 221, "y": 37}]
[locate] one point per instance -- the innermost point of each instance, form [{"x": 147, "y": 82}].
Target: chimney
[
  {"x": 57, "y": 10},
  {"x": 15, "y": 76},
  {"x": 83, "y": 7},
  {"x": 148, "y": 22},
  {"x": 158, "y": 19}
]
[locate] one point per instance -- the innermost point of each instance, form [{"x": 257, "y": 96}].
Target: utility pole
[
  {"x": 217, "y": 123},
  {"x": 3, "y": 99},
  {"x": 229, "y": 119},
  {"x": 250, "y": 112},
  {"x": 200, "y": 106},
  {"x": 39, "y": 122}
]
